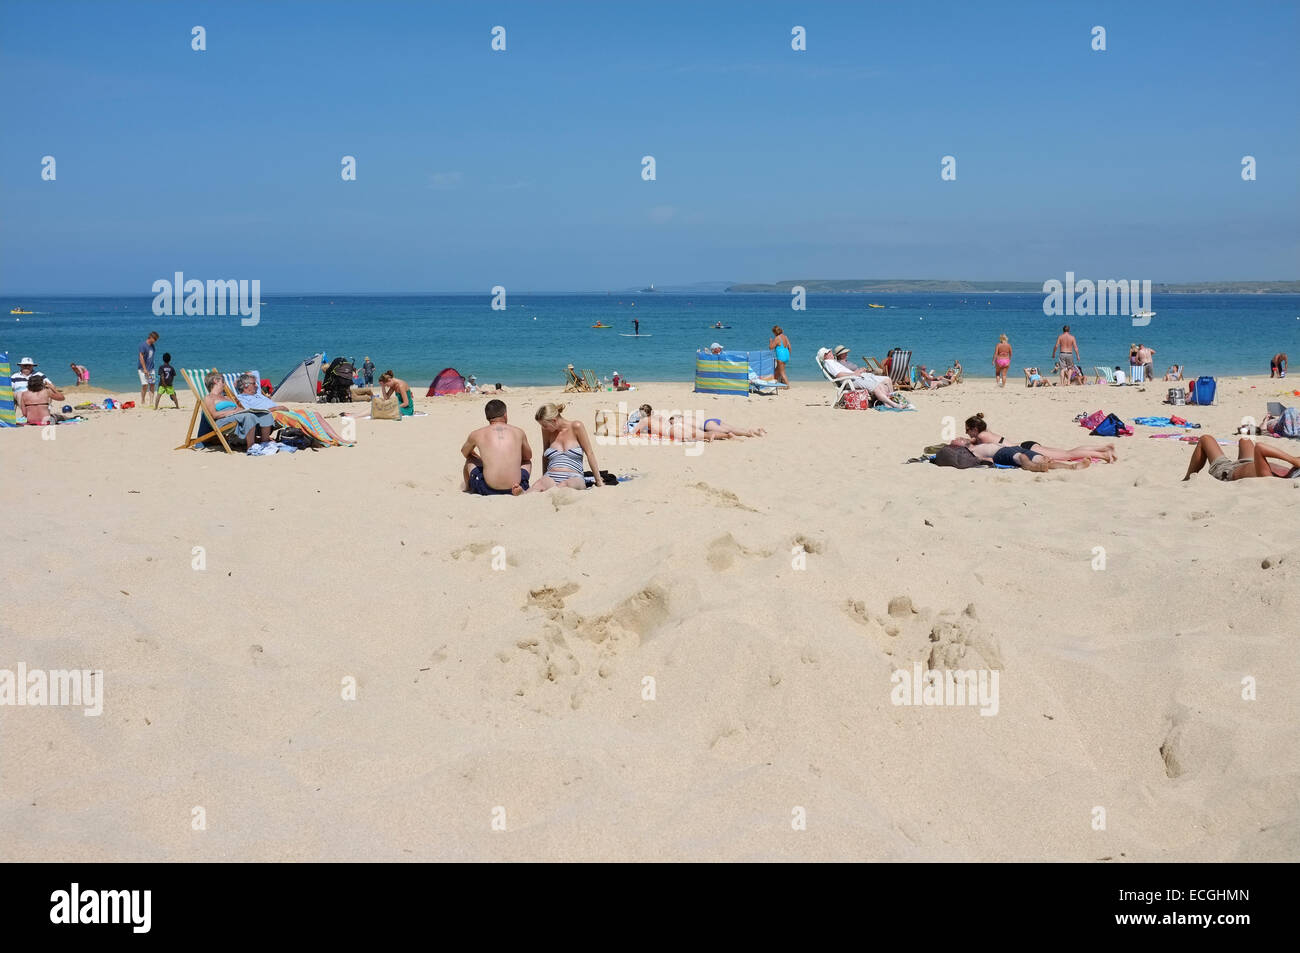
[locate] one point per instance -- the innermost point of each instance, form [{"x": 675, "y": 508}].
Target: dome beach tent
[
  {"x": 300, "y": 383},
  {"x": 446, "y": 381}
]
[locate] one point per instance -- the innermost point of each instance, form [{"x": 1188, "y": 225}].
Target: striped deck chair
[
  {"x": 573, "y": 383},
  {"x": 591, "y": 380},
  {"x": 1104, "y": 374},
  {"x": 874, "y": 366},
  {"x": 900, "y": 369},
  {"x": 202, "y": 430}
]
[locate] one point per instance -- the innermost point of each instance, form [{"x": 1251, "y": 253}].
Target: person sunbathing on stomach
[
  {"x": 1252, "y": 461},
  {"x": 977, "y": 432}
]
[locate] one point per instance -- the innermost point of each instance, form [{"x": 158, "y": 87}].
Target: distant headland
[{"x": 877, "y": 286}]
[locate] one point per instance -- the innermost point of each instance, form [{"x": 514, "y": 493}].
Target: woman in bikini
[
  {"x": 1001, "y": 360},
  {"x": 34, "y": 402},
  {"x": 564, "y": 444},
  {"x": 395, "y": 385},
  {"x": 977, "y": 433},
  {"x": 682, "y": 428}
]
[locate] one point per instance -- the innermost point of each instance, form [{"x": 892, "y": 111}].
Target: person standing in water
[
  {"x": 781, "y": 345},
  {"x": 1001, "y": 360},
  {"x": 636, "y": 327}
]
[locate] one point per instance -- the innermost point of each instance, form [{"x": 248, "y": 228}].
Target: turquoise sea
[{"x": 537, "y": 335}]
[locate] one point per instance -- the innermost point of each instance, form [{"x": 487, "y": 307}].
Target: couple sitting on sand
[
  {"x": 837, "y": 363},
  {"x": 498, "y": 459},
  {"x": 681, "y": 428},
  {"x": 1028, "y": 454}
]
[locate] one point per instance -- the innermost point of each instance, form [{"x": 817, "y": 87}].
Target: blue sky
[{"x": 522, "y": 168}]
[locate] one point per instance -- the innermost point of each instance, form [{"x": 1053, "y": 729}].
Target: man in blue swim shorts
[{"x": 498, "y": 459}]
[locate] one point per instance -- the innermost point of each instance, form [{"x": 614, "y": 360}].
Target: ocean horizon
[{"x": 536, "y": 335}]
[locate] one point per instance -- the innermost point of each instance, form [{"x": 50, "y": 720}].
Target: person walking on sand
[
  {"x": 144, "y": 365},
  {"x": 1067, "y": 346},
  {"x": 781, "y": 345},
  {"x": 1277, "y": 366},
  {"x": 1001, "y": 360},
  {"x": 498, "y": 459},
  {"x": 166, "y": 383}
]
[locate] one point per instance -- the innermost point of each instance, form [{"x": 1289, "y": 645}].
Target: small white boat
[{"x": 1144, "y": 314}]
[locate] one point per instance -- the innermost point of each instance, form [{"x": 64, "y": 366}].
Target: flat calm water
[{"x": 532, "y": 340}]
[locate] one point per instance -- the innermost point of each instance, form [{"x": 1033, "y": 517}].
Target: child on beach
[{"x": 167, "y": 383}]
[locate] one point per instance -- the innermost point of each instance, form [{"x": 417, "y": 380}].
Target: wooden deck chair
[
  {"x": 196, "y": 434},
  {"x": 1029, "y": 380},
  {"x": 874, "y": 366},
  {"x": 1104, "y": 374},
  {"x": 591, "y": 380},
  {"x": 573, "y": 383},
  {"x": 900, "y": 369}
]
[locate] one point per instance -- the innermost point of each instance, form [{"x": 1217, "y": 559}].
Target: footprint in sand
[
  {"x": 811, "y": 546},
  {"x": 724, "y": 551},
  {"x": 722, "y": 497}
]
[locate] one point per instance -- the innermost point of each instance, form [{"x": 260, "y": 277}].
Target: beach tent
[
  {"x": 300, "y": 383},
  {"x": 446, "y": 381},
  {"x": 8, "y": 416},
  {"x": 728, "y": 372}
]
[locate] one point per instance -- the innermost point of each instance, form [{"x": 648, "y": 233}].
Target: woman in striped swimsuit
[{"x": 564, "y": 443}]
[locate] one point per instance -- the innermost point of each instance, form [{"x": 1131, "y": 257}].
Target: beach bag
[
  {"x": 1176, "y": 396},
  {"x": 1201, "y": 391},
  {"x": 1288, "y": 424},
  {"x": 300, "y": 439},
  {"x": 1111, "y": 426},
  {"x": 951, "y": 455},
  {"x": 385, "y": 408},
  {"x": 1091, "y": 421},
  {"x": 856, "y": 400}
]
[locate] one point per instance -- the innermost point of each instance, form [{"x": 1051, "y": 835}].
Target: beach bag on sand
[
  {"x": 953, "y": 456},
  {"x": 385, "y": 408},
  {"x": 1112, "y": 426},
  {"x": 856, "y": 400},
  {"x": 1092, "y": 420},
  {"x": 1201, "y": 391},
  {"x": 1288, "y": 425}
]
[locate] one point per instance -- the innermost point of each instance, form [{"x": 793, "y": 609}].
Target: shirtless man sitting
[
  {"x": 497, "y": 457},
  {"x": 880, "y": 388}
]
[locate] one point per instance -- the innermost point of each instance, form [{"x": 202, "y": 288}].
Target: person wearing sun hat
[
  {"x": 18, "y": 380},
  {"x": 841, "y": 354}
]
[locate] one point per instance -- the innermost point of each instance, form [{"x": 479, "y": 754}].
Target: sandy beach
[{"x": 769, "y": 587}]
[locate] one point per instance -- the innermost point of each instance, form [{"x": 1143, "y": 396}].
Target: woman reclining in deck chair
[
  {"x": 880, "y": 388},
  {"x": 251, "y": 427}
]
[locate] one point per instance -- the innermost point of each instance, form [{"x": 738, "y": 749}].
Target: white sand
[{"x": 522, "y": 688}]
